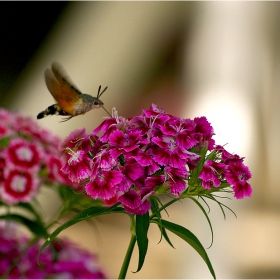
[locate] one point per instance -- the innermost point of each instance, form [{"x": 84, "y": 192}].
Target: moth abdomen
[{"x": 54, "y": 109}]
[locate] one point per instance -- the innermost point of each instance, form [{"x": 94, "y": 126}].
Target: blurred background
[{"x": 215, "y": 59}]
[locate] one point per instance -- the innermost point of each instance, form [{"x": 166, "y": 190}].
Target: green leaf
[
  {"x": 29, "y": 208},
  {"x": 205, "y": 214},
  {"x": 156, "y": 212},
  {"x": 36, "y": 227},
  {"x": 189, "y": 237},
  {"x": 141, "y": 228},
  {"x": 88, "y": 213}
]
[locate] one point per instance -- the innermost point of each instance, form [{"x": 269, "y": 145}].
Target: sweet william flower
[
  {"x": 204, "y": 133},
  {"x": 166, "y": 152},
  {"x": 79, "y": 165},
  {"x": 211, "y": 174},
  {"x": 18, "y": 259},
  {"x": 29, "y": 157},
  {"x": 23, "y": 154},
  {"x": 19, "y": 186},
  {"x": 104, "y": 185},
  {"x": 136, "y": 202},
  {"x": 238, "y": 174},
  {"x": 130, "y": 160},
  {"x": 177, "y": 179}
]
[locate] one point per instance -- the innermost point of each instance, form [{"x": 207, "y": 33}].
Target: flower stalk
[{"x": 130, "y": 249}]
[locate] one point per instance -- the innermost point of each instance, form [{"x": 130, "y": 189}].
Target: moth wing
[
  {"x": 62, "y": 76},
  {"x": 65, "y": 94}
]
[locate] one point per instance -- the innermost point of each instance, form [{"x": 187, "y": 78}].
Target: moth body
[{"x": 70, "y": 101}]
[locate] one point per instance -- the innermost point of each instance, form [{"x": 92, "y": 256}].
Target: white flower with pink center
[
  {"x": 18, "y": 186},
  {"x": 24, "y": 154}
]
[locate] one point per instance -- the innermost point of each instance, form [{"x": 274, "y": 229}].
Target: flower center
[
  {"x": 172, "y": 145},
  {"x": 242, "y": 177},
  {"x": 18, "y": 183},
  {"x": 24, "y": 154},
  {"x": 74, "y": 155}
]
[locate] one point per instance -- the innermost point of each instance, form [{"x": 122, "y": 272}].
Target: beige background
[{"x": 218, "y": 59}]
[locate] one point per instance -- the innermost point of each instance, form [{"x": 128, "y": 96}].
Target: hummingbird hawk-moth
[{"x": 70, "y": 100}]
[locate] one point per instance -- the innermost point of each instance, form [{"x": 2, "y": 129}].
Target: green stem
[
  {"x": 129, "y": 249},
  {"x": 163, "y": 207}
]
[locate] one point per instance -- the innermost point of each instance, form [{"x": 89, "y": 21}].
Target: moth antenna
[{"x": 100, "y": 93}]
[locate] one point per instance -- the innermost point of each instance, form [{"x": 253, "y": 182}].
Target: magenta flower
[
  {"x": 78, "y": 167},
  {"x": 129, "y": 160},
  {"x": 204, "y": 133},
  {"x": 135, "y": 202},
  {"x": 166, "y": 152},
  {"x": 211, "y": 174},
  {"x": 177, "y": 180},
  {"x": 104, "y": 185},
  {"x": 74, "y": 138},
  {"x": 182, "y": 131},
  {"x": 238, "y": 174},
  {"x": 71, "y": 262}
]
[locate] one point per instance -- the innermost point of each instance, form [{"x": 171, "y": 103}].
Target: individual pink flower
[
  {"x": 78, "y": 167},
  {"x": 107, "y": 127},
  {"x": 19, "y": 186},
  {"x": 5, "y": 131},
  {"x": 136, "y": 202},
  {"x": 211, "y": 174},
  {"x": 54, "y": 173},
  {"x": 177, "y": 179},
  {"x": 104, "y": 185},
  {"x": 24, "y": 154},
  {"x": 227, "y": 157},
  {"x": 166, "y": 152},
  {"x": 182, "y": 131},
  {"x": 74, "y": 138},
  {"x": 204, "y": 133},
  {"x": 131, "y": 171},
  {"x": 104, "y": 160},
  {"x": 238, "y": 174}
]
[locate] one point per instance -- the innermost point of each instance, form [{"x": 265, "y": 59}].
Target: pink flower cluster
[
  {"x": 27, "y": 158},
  {"x": 65, "y": 260},
  {"x": 128, "y": 160},
  {"x": 229, "y": 168}
]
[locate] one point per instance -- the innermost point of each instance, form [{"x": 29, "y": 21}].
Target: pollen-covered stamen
[
  {"x": 168, "y": 176},
  {"x": 172, "y": 145},
  {"x": 74, "y": 155},
  {"x": 77, "y": 140},
  {"x": 214, "y": 170},
  {"x": 101, "y": 177},
  {"x": 152, "y": 121},
  {"x": 115, "y": 114}
]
